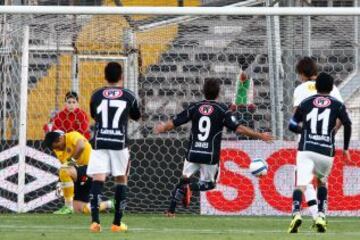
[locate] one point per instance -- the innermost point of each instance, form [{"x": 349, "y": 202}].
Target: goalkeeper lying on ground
[{"x": 73, "y": 151}]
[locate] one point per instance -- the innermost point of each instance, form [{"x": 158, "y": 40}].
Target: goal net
[{"x": 166, "y": 59}]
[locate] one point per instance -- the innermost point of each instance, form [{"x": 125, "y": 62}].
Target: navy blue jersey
[
  {"x": 208, "y": 119},
  {"x": 111, "y": 107},
  {"x": 318, "y": 115}
]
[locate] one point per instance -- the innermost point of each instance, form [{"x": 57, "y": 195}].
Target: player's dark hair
[
  {"x": 211, "y": 88},
  {"x": 307, "y": 67},
  {"x": 324, "y": 83},
  {"x": 71, "y": 94},
  {"x": 52, "y": 137},
  {"x": 113, "y": 72}
]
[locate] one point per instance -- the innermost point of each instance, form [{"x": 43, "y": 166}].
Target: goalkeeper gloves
[{"x": 69, "y": 162}]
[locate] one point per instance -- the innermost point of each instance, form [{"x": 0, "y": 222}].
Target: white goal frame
[
  {"x": 244, "y": 11},
  {"x": 178, "y": 11}
]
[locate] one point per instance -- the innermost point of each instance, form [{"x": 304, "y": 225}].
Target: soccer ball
[{"x": 258, "y": 167}]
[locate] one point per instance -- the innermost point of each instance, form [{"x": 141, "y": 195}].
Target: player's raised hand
[{"x": 266, "y": 137}]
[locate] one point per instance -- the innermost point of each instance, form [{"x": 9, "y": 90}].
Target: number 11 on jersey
[{"x": 315, "y": 117}]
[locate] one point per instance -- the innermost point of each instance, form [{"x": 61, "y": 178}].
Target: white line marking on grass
[
  {"x": 278, "y": 219},
  {"x": 67, "y": 228}
]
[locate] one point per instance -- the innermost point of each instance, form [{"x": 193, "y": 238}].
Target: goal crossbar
[{"x": 243, "y": 11}]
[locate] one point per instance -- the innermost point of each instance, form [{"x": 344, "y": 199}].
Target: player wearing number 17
[
  {"x": 110, "y": 107},
  {"x": 315, "y": 119},
  {"x": 208, "y": 118}
]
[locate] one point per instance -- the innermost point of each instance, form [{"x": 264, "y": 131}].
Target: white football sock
[
  {"x": 314, "y": 211},
  {"x": 310, "y": 195}
]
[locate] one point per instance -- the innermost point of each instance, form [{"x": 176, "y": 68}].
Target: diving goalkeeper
[{"x": 73, "y": 151}]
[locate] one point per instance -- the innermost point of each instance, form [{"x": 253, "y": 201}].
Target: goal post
[
  {"x": 23, "y": 117},
  {"x": 167, "y": 54}
]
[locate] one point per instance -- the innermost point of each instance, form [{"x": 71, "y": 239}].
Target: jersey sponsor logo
[
  {"x": 206, "y": 110},
  {"x": 201, "y": 144},
  {"x": 317, "y": 137},
  {"x": 112, "y": 93},
  {"x": 113, "y": 132},
  {"x": 311, "y": 87},
  {"x": 321, "y": 102}
]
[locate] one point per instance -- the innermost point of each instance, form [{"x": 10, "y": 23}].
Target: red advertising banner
[{"x": 240, "y": 193}]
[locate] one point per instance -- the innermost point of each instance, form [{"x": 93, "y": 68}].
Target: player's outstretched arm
[
  {"x": 164, "y": 127},
  {"x": 253, "y": 134}
]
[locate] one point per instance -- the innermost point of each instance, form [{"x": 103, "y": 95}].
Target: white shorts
[
  {"x": 310, "y": 164},
  {"x": 114, "y": 162},
  {"x": 208, "y": 173}
]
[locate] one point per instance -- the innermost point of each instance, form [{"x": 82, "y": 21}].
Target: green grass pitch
[{"x": 73, "y": 227}]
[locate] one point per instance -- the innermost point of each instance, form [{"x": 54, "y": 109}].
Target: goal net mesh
[{"x": 166, "y": 61}]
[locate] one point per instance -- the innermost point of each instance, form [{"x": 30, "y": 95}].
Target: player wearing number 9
[
  {"x": 111, "y": 107},
  {"x": 208, "y": 118},
  {"x": 318, "y": 115}
]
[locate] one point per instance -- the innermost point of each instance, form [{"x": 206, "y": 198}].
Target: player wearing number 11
[
  {"x": 208, "y": 118},
  {"x": 315, "y": 119},
  {"x": 110, "y": 107}
]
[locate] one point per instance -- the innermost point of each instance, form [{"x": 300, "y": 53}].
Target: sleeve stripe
[{"x": 293, "y": 122}]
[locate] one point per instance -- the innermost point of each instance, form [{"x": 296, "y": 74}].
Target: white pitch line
[
  {"x": 66, "y": 228},
  {"x": 18, "y": 219},
  {"x": 284, "y": 219}
]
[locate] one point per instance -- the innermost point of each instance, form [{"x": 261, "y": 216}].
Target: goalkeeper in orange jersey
[{"x": 73, "y": 150}]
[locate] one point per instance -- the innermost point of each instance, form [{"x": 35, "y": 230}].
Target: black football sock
[
  {"x": 322, "y": 198},
  {"x": 201, "y": 186},
  {"x": 172, "y": 206},
  {"x": 95, "y": 193},
  {"x": 120, "y": 203},
  {"x": 297, "y": 199},
  {"x": 177, "y": 194}
]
